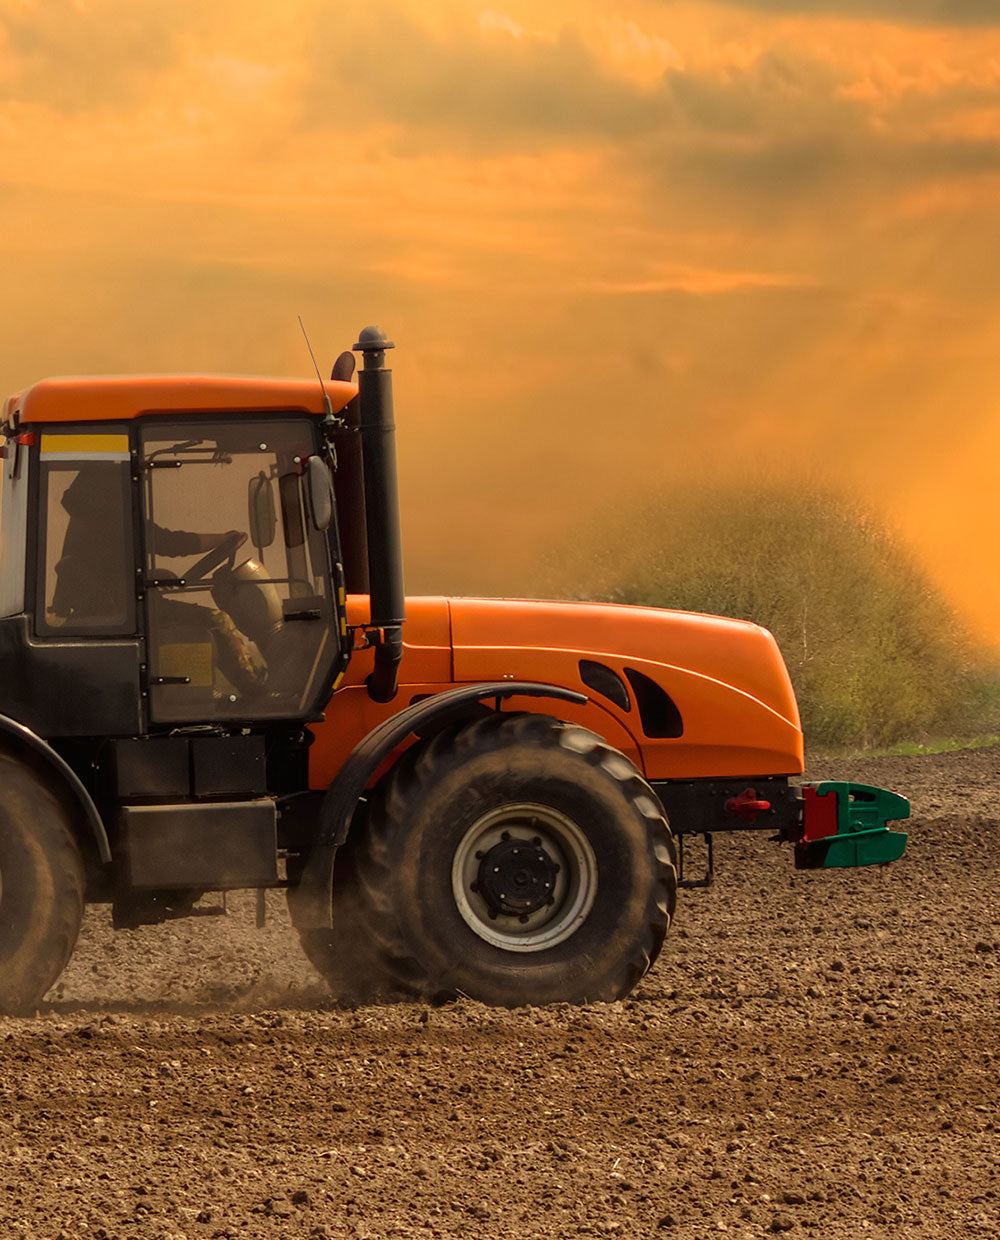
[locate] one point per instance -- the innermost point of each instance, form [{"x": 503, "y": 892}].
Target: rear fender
[
  {"x": 311, "y": 900},
  {"x": 63, "y": 781}
]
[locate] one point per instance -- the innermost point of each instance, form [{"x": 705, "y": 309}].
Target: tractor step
[{"x": 844, "y": 824}]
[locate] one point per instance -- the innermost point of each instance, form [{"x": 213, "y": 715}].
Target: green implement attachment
[{"x": 844, "y": 825}]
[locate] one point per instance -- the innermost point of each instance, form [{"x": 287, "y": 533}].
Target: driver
[
  {"x": 92, "y": 577},
  {"x": 84, "y": 575},
  {"x": 238, "y": 657}
]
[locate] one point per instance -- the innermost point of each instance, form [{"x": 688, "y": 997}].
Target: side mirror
[
  {"x": 320, "y": 492},
  {"x": 263, "y": 518}
]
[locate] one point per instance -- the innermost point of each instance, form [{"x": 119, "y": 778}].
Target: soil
[{"x": 814, "y": 1053}]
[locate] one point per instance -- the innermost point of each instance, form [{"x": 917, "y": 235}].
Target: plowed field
[{"x": 814, "y": 1053}]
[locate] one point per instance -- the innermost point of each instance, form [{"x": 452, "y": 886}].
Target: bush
[{"x": 874, "y": 652}]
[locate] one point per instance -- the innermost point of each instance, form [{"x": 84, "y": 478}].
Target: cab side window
[{"x": 86, "y": 579}]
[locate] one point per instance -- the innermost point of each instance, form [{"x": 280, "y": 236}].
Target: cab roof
[{"x": 112, "y": 398}]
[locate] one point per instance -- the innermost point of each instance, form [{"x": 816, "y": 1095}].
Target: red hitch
[{"x": 747, "y": 806}]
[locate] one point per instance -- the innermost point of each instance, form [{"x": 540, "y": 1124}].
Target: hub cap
[{"x": 524, "y": 877}]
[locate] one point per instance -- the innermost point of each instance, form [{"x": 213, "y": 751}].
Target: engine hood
[
  {"x": 726, "y": 678},
  {"x": 737, "y": 653}
]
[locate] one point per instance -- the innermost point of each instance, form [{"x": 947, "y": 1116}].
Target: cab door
[
  {"x": 68, "y": 642},
  {"x": 237, "y": 578}
]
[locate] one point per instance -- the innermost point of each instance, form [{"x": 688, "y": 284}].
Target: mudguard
[
  {"x": 311, "y": 901},
  {"x": 65, "y": 776}
]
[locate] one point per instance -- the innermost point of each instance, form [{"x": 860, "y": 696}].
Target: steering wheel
[{"x": 225, "y": 550}]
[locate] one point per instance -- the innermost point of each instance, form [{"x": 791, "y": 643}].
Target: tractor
[{"x": 212, "y": 680}]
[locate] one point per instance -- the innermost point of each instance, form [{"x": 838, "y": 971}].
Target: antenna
[{"x": 322, "y": 385}]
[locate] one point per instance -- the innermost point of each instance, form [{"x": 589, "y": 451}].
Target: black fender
[
  {"x": 311, "y": 900},
  {"x": 65, "y": 780}
]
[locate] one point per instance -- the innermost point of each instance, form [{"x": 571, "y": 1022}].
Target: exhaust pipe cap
[{"x": 373, "y": 340}]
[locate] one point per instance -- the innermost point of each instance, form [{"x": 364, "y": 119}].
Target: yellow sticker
[{"x": 85, "y": 447}]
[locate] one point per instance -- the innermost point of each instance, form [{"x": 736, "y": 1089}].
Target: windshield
[{"x": 237, "y": 577}]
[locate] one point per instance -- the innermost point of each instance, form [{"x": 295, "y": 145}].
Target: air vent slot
[
  {"x": 660, "y": 716},
  {"x": 606, "y": 682}
]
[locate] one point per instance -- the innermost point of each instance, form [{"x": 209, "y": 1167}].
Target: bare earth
[{"x": 814, "y": 1053}]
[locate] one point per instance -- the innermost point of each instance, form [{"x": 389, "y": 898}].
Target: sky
[{"x": 620, "y": 247}]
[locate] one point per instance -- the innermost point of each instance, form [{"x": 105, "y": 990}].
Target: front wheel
[{"x": 516, "y": 860}]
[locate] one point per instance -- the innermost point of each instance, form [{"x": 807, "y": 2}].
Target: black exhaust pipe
[{"x": 385, "y": 551}]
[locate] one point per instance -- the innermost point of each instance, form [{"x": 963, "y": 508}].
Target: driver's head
[{"x": 89, "y": 493}]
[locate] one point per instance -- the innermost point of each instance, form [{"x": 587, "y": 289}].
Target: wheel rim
[{"x": 524, "y": 877}]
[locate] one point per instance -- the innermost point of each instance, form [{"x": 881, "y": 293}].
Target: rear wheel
[
  {"x": 41, "y": 888},
  {"x": 516, "y": 860}
]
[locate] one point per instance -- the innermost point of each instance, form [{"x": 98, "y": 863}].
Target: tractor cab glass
[
  {"x": 236, "y": 575},
  {"x": 86, "y": 585}
]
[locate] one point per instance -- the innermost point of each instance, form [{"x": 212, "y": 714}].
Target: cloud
[
  {"x": 468, "y": 81},
  {"x": 699, "y": 281},
  {"x": 912, "y": 12},
  {"x": 74, "y": 57},
  {"x": 790, "y": 137},
  {"x": 738, "y": 127}
]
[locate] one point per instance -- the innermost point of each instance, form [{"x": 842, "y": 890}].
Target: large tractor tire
[
  {"x": 41, "y": 888},
  {"x": 516, "y": 860},
  {"x": 347, "y": 957}
]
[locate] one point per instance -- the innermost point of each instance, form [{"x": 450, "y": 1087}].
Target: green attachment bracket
[{"x": 844, "y": 825}]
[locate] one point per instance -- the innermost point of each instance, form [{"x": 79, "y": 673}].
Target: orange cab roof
[{"x": 114, "y": 397}]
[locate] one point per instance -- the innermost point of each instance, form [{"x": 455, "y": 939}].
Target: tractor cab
[{"x": 182, "y": 566}]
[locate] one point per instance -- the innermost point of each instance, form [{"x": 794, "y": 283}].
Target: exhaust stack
[{"x": 385, "y": 552}]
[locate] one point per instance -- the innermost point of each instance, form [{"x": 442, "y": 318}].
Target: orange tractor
[{"x": 212, "y": 680}]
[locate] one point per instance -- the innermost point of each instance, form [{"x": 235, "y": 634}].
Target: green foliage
[
  {"x": 949, "y": 744},
  {"x": 874, "y": 653}
]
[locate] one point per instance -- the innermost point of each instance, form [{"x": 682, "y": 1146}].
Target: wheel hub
[
  {"x": 524, "y": 877},
  {"x": 517, "y": 877}
]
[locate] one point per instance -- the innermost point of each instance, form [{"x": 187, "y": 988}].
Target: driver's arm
[{"x": 181, "y": 542}]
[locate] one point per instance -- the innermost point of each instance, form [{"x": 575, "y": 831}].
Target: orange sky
[{"x": 617, "y": 245}]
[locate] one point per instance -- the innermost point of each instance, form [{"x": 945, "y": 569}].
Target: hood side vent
[
  {"x": 657, "y": 709},
  {"x": 603, "y": 680}
]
